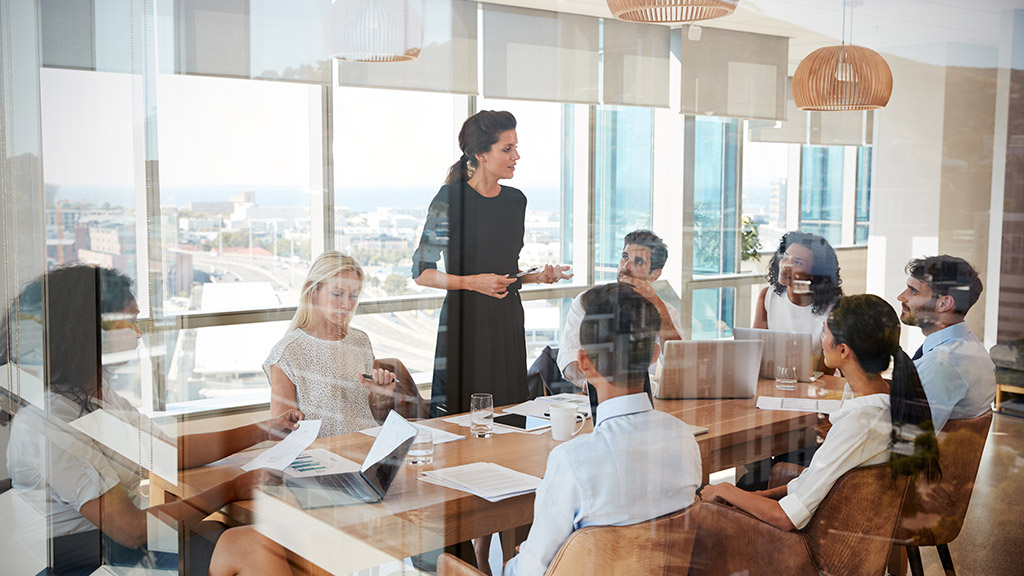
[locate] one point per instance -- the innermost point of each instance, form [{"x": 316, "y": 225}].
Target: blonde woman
[{"x": 321, "y": 364}]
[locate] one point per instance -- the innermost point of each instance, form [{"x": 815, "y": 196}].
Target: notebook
[
  {"x": 790, "y": 348},
  {"x": 374, "y": 478},
  {"x": 710, "y": 369}
]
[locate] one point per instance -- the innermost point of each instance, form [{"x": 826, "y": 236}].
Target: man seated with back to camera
[
  {"x": 638, "y": 464},
  {"x": 643, "y": 257},
  {"x": 956, "y": 371}
]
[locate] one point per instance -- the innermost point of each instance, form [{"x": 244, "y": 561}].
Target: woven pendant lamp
[
  {"x": 670, "y": 10},
  {"x": 374, "y": 31},
  {"x": 842, "y": 78}
]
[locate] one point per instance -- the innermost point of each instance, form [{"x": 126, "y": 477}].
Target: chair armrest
[
  {"x": 448, "y": 565},
  {"x": 730, "y": 541},
  {"x": 783, "y": 472}
]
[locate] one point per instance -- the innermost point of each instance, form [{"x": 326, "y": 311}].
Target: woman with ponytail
[
  {"x": 884, "y": 421},
  {"x": 477, "y": 226}
]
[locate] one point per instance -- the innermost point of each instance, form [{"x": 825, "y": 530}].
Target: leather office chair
[
  {"x": 933, "y": 513},
  {"x": 407, "y": 400},
  {"x": 658, "y": 546},
  {"x": 850, "y": 533}
]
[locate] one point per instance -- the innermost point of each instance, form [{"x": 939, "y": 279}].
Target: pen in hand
[{"x": 370, "y": 377}]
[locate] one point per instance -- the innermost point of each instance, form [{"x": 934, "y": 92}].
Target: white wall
[{"x": 931, "y": 177}]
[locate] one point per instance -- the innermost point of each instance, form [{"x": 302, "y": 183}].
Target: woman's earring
[{"x": 469, "y": 169}]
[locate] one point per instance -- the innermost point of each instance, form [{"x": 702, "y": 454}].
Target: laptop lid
[
  {"x": 710, "y": 369},
  {"x": 781, "y": 347},
  {"x": 387, "y": 454}
]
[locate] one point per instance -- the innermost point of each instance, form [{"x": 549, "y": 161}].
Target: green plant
[{"x": 751, "y": 241}]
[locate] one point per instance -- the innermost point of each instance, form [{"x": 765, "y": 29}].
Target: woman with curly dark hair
[{"x": 803, "y": 286}]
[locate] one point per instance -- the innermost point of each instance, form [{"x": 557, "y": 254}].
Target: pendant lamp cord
[{"x": 844, "y": 23}]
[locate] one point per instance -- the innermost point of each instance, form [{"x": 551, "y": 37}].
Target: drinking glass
[
  {"x": 481, "y": 415},
  {"x": 421, "y": 452},
  {"x": 785, "y": 377}
]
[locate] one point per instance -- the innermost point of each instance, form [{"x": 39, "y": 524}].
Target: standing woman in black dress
[{"x": 477, "y": 225}]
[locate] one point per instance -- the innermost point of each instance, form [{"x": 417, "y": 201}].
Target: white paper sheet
[
  {"x": 440, "y": 436},
  {"x": 280, "y": 455},
  {"x": 463, "y": 420},
  {"x": 537, "y": 407},
  {"x": 484, "y": 479},
  {"x": 798, "y": 404},
  {"x": 317, "y": 462},
  {"x": 394, "y": 431}
]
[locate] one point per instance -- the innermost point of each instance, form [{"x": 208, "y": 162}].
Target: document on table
[
  {"x": 538, "y": 407},
  {"x": 697, "y": 430},
  {"x": 280, "y": 455},
  {"x": 463, "y": 420},
  {"x": 798, "y": 404},
  {"x": 317, "y": 462},
  {"x": 440, "y": 436},
  {"x": 484, "y": 479}
]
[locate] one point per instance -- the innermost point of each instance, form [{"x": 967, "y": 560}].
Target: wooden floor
[{"x": 993, "y": 532}]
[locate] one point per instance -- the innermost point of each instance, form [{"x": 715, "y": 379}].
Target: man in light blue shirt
[
  {"x": 638, "y": 464},
  {"x": 957, "y": 374}
]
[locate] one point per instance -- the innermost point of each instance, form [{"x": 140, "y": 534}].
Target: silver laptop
[
  {"x": 710, "y": 369},
  {"x": 786, "y": 348},
  {"x": 373, "y": 480}
]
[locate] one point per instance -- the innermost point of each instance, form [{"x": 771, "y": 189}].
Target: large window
[
  {"x": 235, "y": 191},
  {"x": 821, "y": 192},
  {"x": 863, "y": 218},
  {"x": 623, "y": 182},
  {"x": 765, "y": 180}
]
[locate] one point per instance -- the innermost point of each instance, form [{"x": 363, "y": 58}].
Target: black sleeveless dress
[{"x": 481, "y": 341}]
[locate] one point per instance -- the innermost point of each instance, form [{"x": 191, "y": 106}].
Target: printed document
[
  {"x": 798, "y": 404},
  {"x": 484, "y": 479},
  {"x": 280, "y": 455}
]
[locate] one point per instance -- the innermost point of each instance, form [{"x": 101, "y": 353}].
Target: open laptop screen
[{"x": 387, "y": 453}]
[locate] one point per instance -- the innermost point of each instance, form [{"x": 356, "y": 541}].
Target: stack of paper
[
  {"x": 484, "y": 479},
  {"x": 539, "y": 406},
  {"x": 798, "y": 404}
]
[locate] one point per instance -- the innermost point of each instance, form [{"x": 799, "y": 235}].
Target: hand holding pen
[{"x": 380, "y": 382}]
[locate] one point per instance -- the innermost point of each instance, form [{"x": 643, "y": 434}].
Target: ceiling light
[
  {"x": 670, "y": 10},
  {"x": 374, "y": 31},
  {"x": 842, "y": 78}
]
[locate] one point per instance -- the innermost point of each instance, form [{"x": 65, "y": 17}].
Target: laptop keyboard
[{"x": 351, "y": 484}]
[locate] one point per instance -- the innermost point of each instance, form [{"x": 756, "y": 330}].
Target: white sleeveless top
[
  {"x": 327, "y": 378},
  {"x": 784, "y": 315}
]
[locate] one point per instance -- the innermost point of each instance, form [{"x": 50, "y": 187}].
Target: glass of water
[
  {"x": 421, "y": 452},
  {"x": 785, "y": 377},
  {"x": 481, "y": 415}
]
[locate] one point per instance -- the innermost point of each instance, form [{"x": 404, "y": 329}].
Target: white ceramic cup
[{"x": 564, "y": 416}]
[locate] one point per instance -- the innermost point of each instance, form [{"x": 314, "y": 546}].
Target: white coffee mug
[{"x": 563, "y": 421}]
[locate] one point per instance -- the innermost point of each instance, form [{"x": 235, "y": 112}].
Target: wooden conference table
[{"x": 417, "y": 517}]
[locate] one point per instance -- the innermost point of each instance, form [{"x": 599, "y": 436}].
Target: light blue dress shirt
[
  {"x": 637, "y": 464},
  {"x": 957, "y": 374}
]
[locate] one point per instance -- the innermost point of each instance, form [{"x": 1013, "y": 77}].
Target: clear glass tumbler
[{"x": 481, "y": 415}]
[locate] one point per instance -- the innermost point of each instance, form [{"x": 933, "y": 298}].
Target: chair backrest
[
  {"x": 408, "y": 402},
  {"x": 659, "y": 546},
  {"x": 934, "y": 511},
  {"x": 544, "y": 378},
  {"x": 852, "y": 529}
]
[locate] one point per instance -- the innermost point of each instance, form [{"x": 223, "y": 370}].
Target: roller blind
[
  {"x": 539, "y": 55},
  {"x": 736, "y": 74},
  {"x": 816, "y": 128},
  {"x": 636, "y": 64}
]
